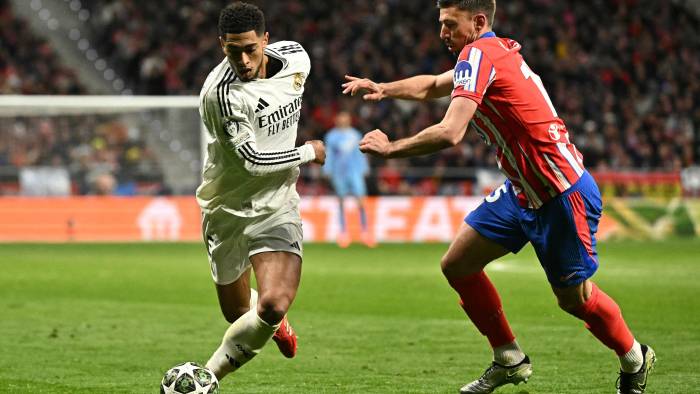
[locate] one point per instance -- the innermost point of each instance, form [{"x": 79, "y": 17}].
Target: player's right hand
[
  {"x": 319, "y": 149},
  {"x": 375, "y": 91}
]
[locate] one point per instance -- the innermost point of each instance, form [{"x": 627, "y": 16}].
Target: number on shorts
[{"x": 493, "y": 197}]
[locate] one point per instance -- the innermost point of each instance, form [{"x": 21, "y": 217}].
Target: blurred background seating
[{"x": 624, "y": 75}]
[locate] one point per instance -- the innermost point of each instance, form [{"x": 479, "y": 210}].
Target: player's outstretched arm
[
  {"x": 449, "y": 132},
  {"x": 420, "y": 87}
]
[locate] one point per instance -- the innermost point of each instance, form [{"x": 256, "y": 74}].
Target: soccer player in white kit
[{"x": 250, "y": 104}]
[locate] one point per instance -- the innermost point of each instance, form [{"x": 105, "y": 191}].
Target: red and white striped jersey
[{"x": 516, "y": 114}]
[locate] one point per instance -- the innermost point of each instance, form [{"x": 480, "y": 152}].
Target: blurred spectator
[
  {"x": 28, "y": 64},
  {"x": 103, "y": 184},
  {"x": 91, "y": 148},
  {"x": 629, "y": 93}
]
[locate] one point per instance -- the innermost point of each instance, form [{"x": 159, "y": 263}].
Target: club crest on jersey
[
  {"x": 556, "y": 131},
  {"x": 463, "y": 73},
  {"x": 298, "y": 81}
]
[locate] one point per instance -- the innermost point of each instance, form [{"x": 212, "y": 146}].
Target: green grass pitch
[{"x": 111, "y": 318}]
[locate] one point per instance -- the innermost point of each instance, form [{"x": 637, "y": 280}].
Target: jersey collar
[
  {"x": 270, "y": 52},
  {"x": 487, "y": 35}
]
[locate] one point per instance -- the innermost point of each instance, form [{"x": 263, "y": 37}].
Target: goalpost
[
  {"x": 169, "y": 126},
  {"x": 47, "y": 105}
]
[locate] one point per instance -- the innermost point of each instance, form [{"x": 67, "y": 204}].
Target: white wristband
[{"x": 307, "y": 153}]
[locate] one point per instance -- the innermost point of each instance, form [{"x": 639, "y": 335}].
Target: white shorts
[{"x": 231, "y": 240}]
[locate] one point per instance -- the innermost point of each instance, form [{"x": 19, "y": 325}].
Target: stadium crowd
[
  {"x": 28, "y": 64},
  {"x": 624, "y": 75},
  {"x": 99, "y": 153},
  {"x": 628, "y": 92}
]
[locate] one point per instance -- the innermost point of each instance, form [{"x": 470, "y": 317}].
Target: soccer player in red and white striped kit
[{"x": 548, "y": 199}]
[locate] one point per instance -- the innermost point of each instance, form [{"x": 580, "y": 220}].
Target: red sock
[
  {"x": 481, "y": 302},
  {"x": 604, "y": 319}
]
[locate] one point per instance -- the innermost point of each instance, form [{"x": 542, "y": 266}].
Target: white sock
[
  {"x": 509, "y": 354},
  {"x": 242, "y": 341},
  {"x": 253, "y": 298},
  {"x": 632, "y": 361}
]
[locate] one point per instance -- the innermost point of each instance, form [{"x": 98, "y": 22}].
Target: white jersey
[{"x": 251, "y": 166}]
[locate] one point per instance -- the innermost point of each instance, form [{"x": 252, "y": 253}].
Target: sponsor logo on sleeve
[{"x": 463, "y": 74}]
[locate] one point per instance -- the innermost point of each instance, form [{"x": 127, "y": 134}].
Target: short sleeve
[{"x": 473, "y": 74}]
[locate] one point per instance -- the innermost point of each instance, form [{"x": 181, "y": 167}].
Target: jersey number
[
  {"x": 493, "y": 197},
  {"x": 528, "y": 74},
  {"x": 289, "y": 49}
]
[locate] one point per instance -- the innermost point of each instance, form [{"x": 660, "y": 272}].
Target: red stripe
[
  {"x": 582, "y": 229},
  {"x": 508, "y": 169},
  {"x": 563, "y": 164},
  {"x": 484, "y": 72},
  {"x": 552, "y": 176},
  {"x": 578, "y": 155},
  {"x": 464, "y": 55},
  {"x": 571, "y": 148},
  {"x": 534, "y": 164},
  {"x": 514, "y": 173},
  {"x": 535, "y": 154}
]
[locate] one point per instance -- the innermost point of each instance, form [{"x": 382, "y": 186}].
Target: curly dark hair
[
  {"x": 240, "y": 17},
  {"x": 488, "y": 7}
]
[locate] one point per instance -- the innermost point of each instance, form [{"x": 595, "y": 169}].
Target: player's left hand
[
  {"x": 375, "y": 143},
  {"x": 319, "y": 150},
  {"x": 355, "y": 85}
]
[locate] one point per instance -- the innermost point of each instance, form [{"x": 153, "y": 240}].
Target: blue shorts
[
  {"x": 353, "y": 185},
  {"x": 562, "y": 231}
]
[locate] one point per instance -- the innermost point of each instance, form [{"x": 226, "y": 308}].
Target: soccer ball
[{"x": 189, "y": 378}]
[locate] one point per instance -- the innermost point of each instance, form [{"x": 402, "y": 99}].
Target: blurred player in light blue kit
[{"x": 347, "y": 167}]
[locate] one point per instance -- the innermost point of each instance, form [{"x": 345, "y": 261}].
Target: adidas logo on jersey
[
  {"x": 262, "y": 104},
  {"x": 295, "y": 245}
]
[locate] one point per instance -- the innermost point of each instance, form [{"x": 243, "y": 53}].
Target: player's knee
[
  {"x": 453, "y": 267},
  {"x": 572, "y": 299},
  {"x": 273, "y": 308},
  {"x": 572, "y": 304},
  {"x": 446, "y": 265},
  {"x": 233, "y": 314},
  {"x": 569, "y": 306}
]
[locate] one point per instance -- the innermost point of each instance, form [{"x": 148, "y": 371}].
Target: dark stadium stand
[
  {"x": 624, "y": 75},
  {"x": 28, "y": 65},
  {"x": 97, "y": 152},
  {"x": 628, "y": 91}
]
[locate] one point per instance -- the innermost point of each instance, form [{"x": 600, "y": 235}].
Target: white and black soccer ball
[{"x": 189, "y": 378}]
